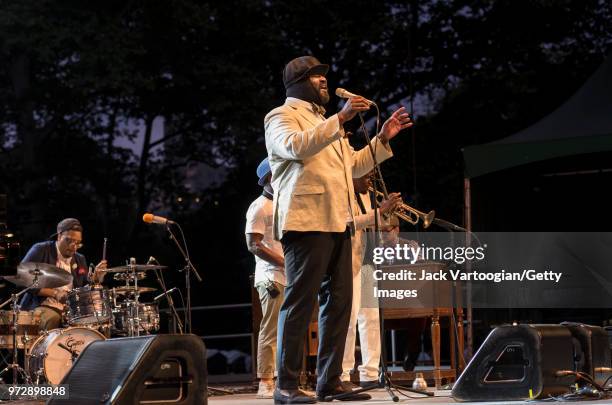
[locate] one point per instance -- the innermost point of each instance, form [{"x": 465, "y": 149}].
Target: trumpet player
[{"x": 366, "y": 320}]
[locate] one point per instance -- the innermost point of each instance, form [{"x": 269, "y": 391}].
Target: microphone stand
[
  {"x": 175, "y": 314},
  {"x": 188, "y": 269},
  {"x": 451, "y": 227},
  {"x": 384, "y": 381}
]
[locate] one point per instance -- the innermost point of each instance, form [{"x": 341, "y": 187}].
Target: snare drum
[
  {"x": 88, "y": 306},
  {"x": 148, "y": 314},
  {"x": 28, "y": 325},
  {"x": 54, "y": 352}
]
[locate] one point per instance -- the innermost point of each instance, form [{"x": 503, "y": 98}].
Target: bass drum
[{"x": 53, "y": 353}]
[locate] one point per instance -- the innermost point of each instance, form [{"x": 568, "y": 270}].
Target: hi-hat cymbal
[
  {"x": 48, "y": 275},
  {"x": 134, "y": 267},
  {"x": 131, "y": 289}
]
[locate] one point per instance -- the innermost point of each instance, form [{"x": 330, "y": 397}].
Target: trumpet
[{"x": 408, "y": 213}]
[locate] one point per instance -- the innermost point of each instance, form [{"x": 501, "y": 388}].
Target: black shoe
[
  {"x": 368, "y": 384},
  {"x": 294, "y": 397},
  {"x": 342, "y": 388}
]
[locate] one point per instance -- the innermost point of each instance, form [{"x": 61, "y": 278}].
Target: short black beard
[
  {"x": 323, "y": 97},
  {"x": 305, "y": 90}
]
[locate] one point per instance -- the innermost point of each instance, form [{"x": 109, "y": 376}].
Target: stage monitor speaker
[
  {"x": 158, "y": 369},
  {"x": 518, "y": 363},
  {"x": 593, "y": 356}
]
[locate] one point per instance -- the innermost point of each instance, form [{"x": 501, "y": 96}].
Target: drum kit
[{"x": 92, "y": 313}]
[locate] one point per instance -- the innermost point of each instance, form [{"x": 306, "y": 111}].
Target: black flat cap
[
  {"x": 69, "y": 224},
  {"x": 302, "y": 67}
]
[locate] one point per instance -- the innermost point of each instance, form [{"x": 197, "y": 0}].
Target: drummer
[{"x": 62, "y": 253}]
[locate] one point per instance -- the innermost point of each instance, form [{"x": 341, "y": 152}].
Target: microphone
[
  {"x": 154, "y": 219},
  {"x": 448, "y": 225},
  {"x": 162, "y": 294},
  {"x": 343, "y": 93}
]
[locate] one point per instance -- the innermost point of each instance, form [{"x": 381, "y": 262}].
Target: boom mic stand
[
  {"x": 451, "y": 227},
  {"x": 162, "y": 283},
  {"x": 384, "y": 381},
  {"x": 188, "y": 269}
]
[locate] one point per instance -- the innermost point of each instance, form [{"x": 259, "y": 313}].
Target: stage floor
[{"x": 380, "y": 397}]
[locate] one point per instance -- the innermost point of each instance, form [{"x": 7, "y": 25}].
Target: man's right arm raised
[{"x": 285, "y": 138}]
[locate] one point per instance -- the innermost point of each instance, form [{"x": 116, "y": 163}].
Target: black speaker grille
[
  {"x": 97, "y": 376},
  {"x": 129, "y": 371}
]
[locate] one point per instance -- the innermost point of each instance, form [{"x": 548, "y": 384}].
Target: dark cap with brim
[
  {"x": 69, "y": 224},
  {"x": 301, "y": 68}
]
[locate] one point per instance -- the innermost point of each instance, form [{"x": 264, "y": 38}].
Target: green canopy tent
[{"x": 583, "y": 124}]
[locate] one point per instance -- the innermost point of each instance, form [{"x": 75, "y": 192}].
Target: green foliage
[{"x": 81, "y": 80}]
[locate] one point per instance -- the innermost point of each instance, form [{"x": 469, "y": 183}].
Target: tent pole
[{"x": 467, "y": 206}]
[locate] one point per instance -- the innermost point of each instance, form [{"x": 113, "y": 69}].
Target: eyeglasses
[{"x": 76, "y": 243}]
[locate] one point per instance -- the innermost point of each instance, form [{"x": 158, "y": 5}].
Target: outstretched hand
[{"x": 399, "y": 120}]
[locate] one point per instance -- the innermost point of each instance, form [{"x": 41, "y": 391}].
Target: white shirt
[
  {"x": 259, "y": 220},
  {"x": 64, "y": 264}
]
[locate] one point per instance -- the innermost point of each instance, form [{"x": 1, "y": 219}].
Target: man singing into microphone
[{"x": 312, "y": 169}]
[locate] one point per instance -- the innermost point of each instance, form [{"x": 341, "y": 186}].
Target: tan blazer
[{"x": 312, "y": 169}]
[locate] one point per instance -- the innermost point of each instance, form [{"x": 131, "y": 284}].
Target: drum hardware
[
  {"x": 131, "y": 290},
  {"x": 129, "y": 276},
  {"x": 17, "y": 370},
  {"x": 148, "y": 321},
  {"x": 134, "y": 324},
  {"x": 130, "y": 268},
  {"x": 131, "y": 272},
  {"x": 30, "y": 275}
]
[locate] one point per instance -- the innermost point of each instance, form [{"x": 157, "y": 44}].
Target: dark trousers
[{"x": 315, "y": 262}]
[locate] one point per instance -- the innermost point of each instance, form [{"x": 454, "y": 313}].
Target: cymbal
[
  {"x": 131, "y": 289},
  {"x": 134, "y": 267},
  {"x": 49, "y": 276}
]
